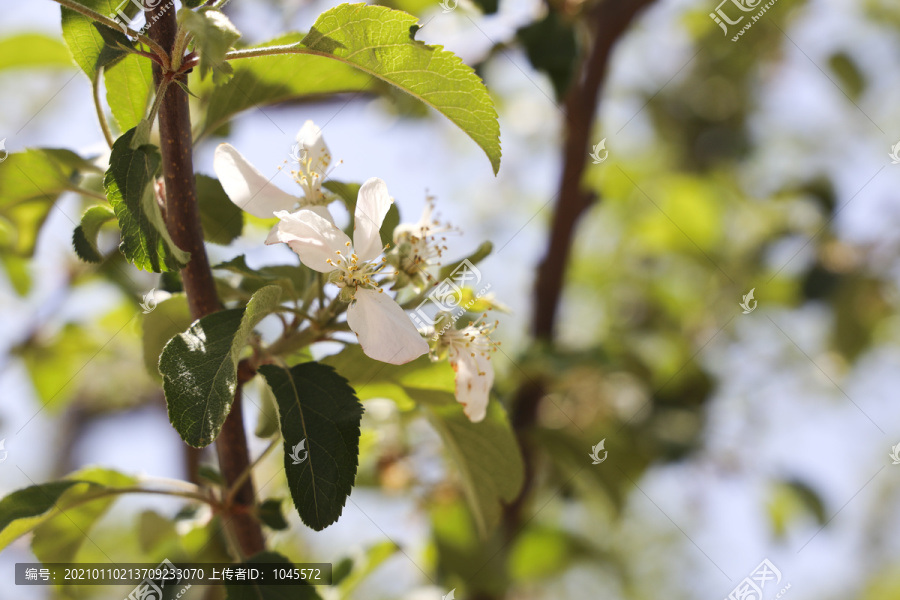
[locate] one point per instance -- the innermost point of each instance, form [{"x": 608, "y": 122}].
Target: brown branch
[
  {"x": 183, "y": 223},
  {"x": 608, "y": 21}
]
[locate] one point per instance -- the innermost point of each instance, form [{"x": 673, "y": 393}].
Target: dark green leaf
[
  {"x": 129, "y": 188},
  {"x": 317, "y": 407},
  {"x": 270, "y": 514},
  {"x": 301, "y": 591},
  {"x": 199, "y": 367},
  {"x": 381, "y": 42},
  {"x": 552, "y": 47},
  {"x": 221, "y": 219},
  {"x": 211, "y": 474},
  {"x": 84, "y": 239},
  {"x": 24, "y": 509},
  {"x": 291, "y": 279}
]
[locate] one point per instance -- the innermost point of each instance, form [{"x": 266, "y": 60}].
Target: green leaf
[
  {"x": 476, "y": 257},
  {"x": 381, "y": 42},
  {"x": 84, "y": 239},
  {"x": 552, "y": 47},
  {"x": 293, "y": 280},
  {"x": 221, "y": 219},
  {"x": 300, "y": 591},
  {"x": 270, "y": 514},
  {"x": 30, "y": 182},
  {"x": 214, "y": 35},
  {"x": 25, "y": 509},
  {"x": 129, "y": 85},
  {"x": 168, "y": 319},
  {"x": 486, "y": 453},
  {"x": 271, "y": 79},
  {"x": 129, "y": 188},
  {"x": 199, "y": 367},
  {"x": 91, "y": 49},
  {"x": 317, "y": 406},
  {"x": 375, "y": 556},
  {"x": 59, "y": 538},
  {"x": 32, "y": 50}
]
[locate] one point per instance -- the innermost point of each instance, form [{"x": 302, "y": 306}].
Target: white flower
[
  {"x": 418, "y": 247},
  {"x": 384, "y": 330},
  {"x": 469, "y": 352},
  {"x": 254, "y": 193}
]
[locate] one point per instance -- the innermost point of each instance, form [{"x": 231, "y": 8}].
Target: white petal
[
  {"x": 274, "y": 234},
  {"x": 313, "y": 238},
  {"x": 385, "y": 331},
  {"x": 474, "y": 378},
  {"x": 310, "y": 139},
  {"x": 372, "y": 205},
  {"x": 249, "y": 189}
]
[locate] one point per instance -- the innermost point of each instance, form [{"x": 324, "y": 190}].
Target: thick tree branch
[
  {"x": 608, "y": 21},
  {"x": 183, "y": 222}
]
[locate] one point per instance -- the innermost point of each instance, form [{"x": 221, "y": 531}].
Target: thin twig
[{"x": 101, "y": 114}]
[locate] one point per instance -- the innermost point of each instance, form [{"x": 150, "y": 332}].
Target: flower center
[{"x": 353, "y": 272}]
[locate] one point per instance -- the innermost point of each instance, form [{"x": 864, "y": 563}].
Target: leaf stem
[
  {"x": 101, "y": 115},
  {"x": 236, "y": 485}
]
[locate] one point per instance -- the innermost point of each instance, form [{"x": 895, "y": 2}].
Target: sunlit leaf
[{"x": 199, "y": 367}]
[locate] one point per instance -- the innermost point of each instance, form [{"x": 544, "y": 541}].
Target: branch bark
[
  {"x": 183, "y": 223},
  {"x": 608, "y": 21}
]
